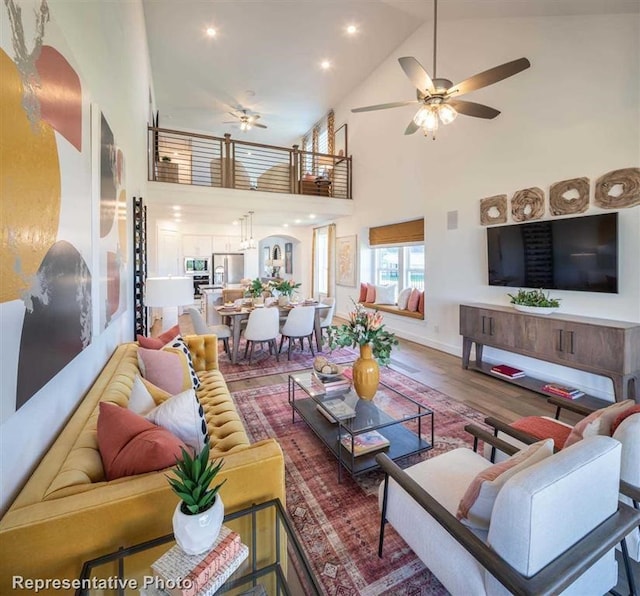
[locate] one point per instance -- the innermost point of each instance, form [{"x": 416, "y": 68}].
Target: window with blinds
[{"x": 399, "y": 233}]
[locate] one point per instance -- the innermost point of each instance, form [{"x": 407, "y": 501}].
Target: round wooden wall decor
[
  {"x": 561, "y": 205},
  {"x": 618, "y": 188},
  {"x": 493, "y": 210},
  {"x": 527, "y": 204}
]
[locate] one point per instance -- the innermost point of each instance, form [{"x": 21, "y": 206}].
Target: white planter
[
  {"x": 196, "y": 534},
  {"x": 536, "y": 310},
  {"x": 283, "y": 300}
]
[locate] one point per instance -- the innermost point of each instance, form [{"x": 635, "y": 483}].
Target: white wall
[
  {"x": 300, "y": 236},
  {"x": 575, "y": 112},
  {"x": 108, "y": 43}
]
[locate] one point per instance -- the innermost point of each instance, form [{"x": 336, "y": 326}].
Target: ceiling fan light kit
[{"x": 439, "y": 97}]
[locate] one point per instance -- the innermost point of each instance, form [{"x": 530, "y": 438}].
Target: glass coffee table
[
  {"x": 276, "y": 564},
  {"x": 355, "y": 430}
]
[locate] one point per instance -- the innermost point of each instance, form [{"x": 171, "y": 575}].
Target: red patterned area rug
[
  {"x": 338, "y": 523},
  {"x": 265, "y": 364}
]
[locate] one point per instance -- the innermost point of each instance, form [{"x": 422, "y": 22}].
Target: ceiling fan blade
[
  {"x": 416, "y": 73},
  {"x": 413, "y": 127},
  {"x": 470, "y": 108},
  {"x": 230, "y": 122},
  {"x": 489, "y": 77},
  {"x": 384, "y": 106},
  {"x": 232, "y": 114},
  {"x": 254, "y": 117},
  {"x": 259, "y": 125}
]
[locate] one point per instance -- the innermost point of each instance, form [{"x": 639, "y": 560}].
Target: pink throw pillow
[
  {"x": 371, "y": 293},
  {"x": 421, "y": 303},
  {"x": 131, "y": 445},
  {"x": 156, "y": 343},
  {"x": 598, "y": 422},
  {"x": 414, "y": 300},
  {"x": 476, "y": 505},
  {"x": 167, "y": 369},
  {"x": 363, "y": 293}
]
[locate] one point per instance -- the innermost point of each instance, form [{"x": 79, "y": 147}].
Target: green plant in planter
[
  {"x": 286, "y": 287},
  {"x": 256, "y": 288},
  {"x": 534, "y": 298},
  {"x": 194, "y": 475},
  {"x": 165, "y": 158}
]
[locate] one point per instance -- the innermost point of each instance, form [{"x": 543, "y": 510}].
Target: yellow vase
[{"x": 366, "y": 373}]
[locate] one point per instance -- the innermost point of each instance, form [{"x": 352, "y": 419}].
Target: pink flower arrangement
[{"x": 364, "y": 327}]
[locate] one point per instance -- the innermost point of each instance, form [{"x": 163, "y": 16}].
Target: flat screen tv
[{"x": 576, "y": 253}]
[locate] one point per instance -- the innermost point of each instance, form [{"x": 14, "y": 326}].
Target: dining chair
[
  {"x": 299, "y": 324},
  {"x": 262, "y": 327},
  {"x": 326, "y": 316},
  {"x": 200, "y": 327}
]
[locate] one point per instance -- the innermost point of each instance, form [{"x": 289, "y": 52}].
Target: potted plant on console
[
  {"x": 364, "y": 329},
  {"x": 534, "y": 301},
  {"x": 198, "y": 517}
]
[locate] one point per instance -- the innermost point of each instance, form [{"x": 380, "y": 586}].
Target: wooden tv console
[{"x": 599, "y": 346}]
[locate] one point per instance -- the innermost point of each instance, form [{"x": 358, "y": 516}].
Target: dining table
[{"x": 238, "y": 313}]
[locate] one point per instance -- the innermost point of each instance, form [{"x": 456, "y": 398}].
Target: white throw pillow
[
  {"x": 403, "y": 298},
  {"x": 386, "y": 294},
  {"x": 140, "y": 400},
  {"x": 183, "y": 415}
]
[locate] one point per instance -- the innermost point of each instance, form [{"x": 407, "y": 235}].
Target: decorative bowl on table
[{"x": 325, "y": 370}]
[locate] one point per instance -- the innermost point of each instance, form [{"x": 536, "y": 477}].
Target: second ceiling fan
[
  {"x": 247, "y": 121},
  {"x": 439, "y": 96}
]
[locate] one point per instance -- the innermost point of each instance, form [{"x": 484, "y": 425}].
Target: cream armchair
[{"x": 549, "y": 531}]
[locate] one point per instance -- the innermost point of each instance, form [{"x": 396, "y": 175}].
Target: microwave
[{"x": 196, "y": 265}]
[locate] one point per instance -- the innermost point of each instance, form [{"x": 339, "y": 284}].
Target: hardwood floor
[{"x": 444, "y": 372}]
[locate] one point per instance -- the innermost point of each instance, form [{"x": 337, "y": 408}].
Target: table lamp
[{"x": 168, "y": 293}]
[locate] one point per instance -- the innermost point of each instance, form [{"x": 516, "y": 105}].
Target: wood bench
[{"x": 393, "y": 309}]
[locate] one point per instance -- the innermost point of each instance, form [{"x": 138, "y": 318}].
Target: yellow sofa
[{"x": 68, "y": 513}]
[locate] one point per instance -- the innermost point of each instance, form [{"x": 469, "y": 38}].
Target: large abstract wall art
[
  {"x": 113, "y": 227},
  {"x": 45, "y": 184}
]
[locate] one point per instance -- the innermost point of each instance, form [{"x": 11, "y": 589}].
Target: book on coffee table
[
  {"x": 340, "y": 410},
  {"x": 365, "y": 442}
]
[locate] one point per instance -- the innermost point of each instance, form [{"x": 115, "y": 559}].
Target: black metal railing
[{"x": 202, "y": 160}]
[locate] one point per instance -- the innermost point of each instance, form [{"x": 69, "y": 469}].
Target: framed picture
[
  {"x": 346, "y": 253},
  {"x": 288, "y": 257},
  {"x": 340, "y": 141}
]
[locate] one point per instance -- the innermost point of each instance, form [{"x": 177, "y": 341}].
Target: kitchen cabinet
[
  {"x": 223, "y": 244},
  {"x": 196, "y": 245}
]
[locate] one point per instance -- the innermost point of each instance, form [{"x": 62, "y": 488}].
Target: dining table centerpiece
[
  {"x": 285, "y": 289},
  {"x": 256, "y": 288},
  {"x": 364, "y": 329}
]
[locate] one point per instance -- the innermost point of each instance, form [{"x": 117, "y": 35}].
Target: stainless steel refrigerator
[{"x": 228, "y": 268}]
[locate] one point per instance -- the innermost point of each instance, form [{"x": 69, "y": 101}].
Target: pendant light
[{"x": 251, "y": 243}]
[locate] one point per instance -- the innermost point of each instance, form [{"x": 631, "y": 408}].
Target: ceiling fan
[
  {"x": 439, "y": 97},
  {"x": 247, "y": 121}
]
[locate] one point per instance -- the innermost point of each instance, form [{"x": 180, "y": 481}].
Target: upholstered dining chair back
[
  {"x": 299, "y": 324},
  {"x": 262, "y": 327},
  {"x": 326, "y": 317},
  {"x": 199, "y": 324},
  {"x": 223, "y": 332},
  {"x": 263, "y": 324}
]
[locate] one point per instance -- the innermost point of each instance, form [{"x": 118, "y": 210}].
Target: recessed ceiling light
[
  {"x": 285, "y": 225},
  {"x": 234, "y": 222},
  {"x": 297, "y": 221},
  {"x": 211, "y": 32},
  {"x": 352, "y": 29},
  {"x": 312, "y": 215},
  {"x": 325, "y": 65},
  {"x": 177, "y": 207}
]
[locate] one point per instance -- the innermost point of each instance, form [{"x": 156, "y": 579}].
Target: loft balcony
[{"x": 193, "y": 159}]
